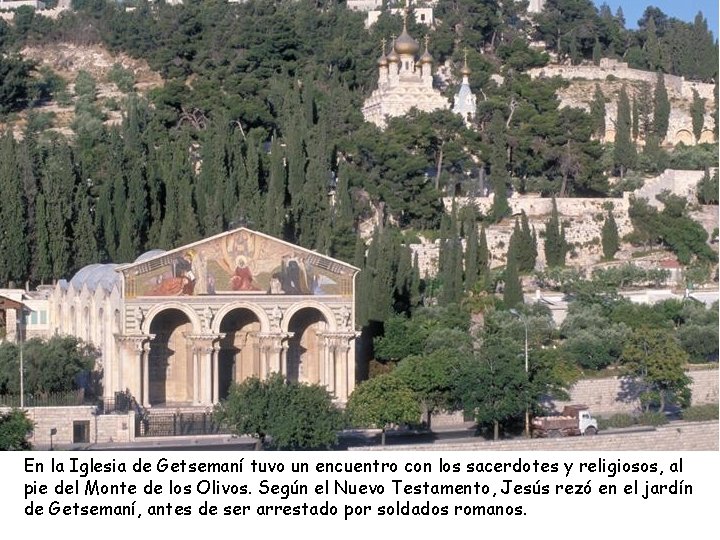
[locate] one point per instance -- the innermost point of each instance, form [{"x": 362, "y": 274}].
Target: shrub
[
  {"x": 620, "y": 420},
  {"x": 652, "y": 418},
  {"x": 701, "y": 413}
]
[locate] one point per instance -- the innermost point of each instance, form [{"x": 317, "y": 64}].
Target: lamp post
[{"x": 527, "y": 407}]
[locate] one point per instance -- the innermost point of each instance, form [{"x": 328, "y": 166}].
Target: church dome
[
  {"x": 426, "y": 58},
  {"x": 382, "y": 61},
  {"x": 465, "y": 71},
  {"x": 405, "y": 44},
  {"x": 96, "y": 275},
  {"x": 393, "y": 57}
]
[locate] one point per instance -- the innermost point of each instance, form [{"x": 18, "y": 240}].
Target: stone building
[
  {"x": 177, "y": 327},
  {"x": 404, "y": 82}
]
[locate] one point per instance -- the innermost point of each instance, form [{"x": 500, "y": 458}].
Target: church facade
[
  {"x": 404, "y": 82},
  {"x": 177, "y": 328}
]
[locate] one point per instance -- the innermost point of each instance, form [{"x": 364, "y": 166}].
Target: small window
[
  {"x": 81, "y": 431},
  {"x": 43, "y": 317},
  {"x": 422, "y": 17},
  {"x": 33, "y": 318}
]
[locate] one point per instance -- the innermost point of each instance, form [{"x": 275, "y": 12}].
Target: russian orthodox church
[{"x": 404, "y": 82}]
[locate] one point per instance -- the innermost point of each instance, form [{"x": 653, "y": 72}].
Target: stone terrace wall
[
  {"x": 674, "y": 84},
  {"x": 103, "y": 428},
  {"x": 602, "y": 395},
  {"x": 678, "y": 436}
]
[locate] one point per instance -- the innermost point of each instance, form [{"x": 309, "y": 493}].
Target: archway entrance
[
  {"x": 170, "y": 359},
  {"x": 239, "y": 354},
  {"x": 304, "y": 355}
]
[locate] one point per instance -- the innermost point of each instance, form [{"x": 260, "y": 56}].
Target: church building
[
  {"x": 177, "y": 327},
  {"x": 404, "y": 82}
]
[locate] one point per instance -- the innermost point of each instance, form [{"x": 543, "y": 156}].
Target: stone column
[
  {"x": 340, "y": 367},
  {"x": 273, "y": 347},
  {"x": 205, "y": 368},
  {"x": 215, "y": 372},
  {"x": 135, "y": 351}
]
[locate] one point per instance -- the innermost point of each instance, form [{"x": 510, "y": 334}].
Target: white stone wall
[
  {"x": 681, "y": 436},
  {"x": 601, "y": 395}
]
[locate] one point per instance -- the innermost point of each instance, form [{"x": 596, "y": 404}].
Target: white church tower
[{"x": 465, "y": 103}]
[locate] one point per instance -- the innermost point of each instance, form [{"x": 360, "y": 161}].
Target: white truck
[{"x": 574, "y": 420}]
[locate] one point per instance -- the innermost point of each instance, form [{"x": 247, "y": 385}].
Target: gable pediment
[{"x": 238, "y": 262}]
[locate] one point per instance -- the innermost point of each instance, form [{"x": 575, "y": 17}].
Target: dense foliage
[
  {"x": 15, "y": 427},
  {"x": 283, "y": 415}
]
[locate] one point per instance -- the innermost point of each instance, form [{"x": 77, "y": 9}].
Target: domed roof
[
  {"x": 393, "y": 57},
  {"x": 382, "y": 61},
  {"x": 465, "y": 70},
  {"x": 405, "y": 44},
  {"x": 426, "y": 58},
  {"x": 149, "y": 255},
  {"x": 96, "y": 275}
]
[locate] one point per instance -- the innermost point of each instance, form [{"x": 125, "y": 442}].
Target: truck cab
[{"x": 586, "y": 423}]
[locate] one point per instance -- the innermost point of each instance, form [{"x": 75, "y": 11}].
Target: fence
[
  {"x": 53, "y": 399},
  {"x": 171, "y": 424}
]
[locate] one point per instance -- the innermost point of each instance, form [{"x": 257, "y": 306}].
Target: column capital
[
  {"x": 139, "y": 342},
  {"x": 206, "y": 342}
]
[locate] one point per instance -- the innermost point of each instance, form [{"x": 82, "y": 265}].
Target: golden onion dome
[
  {"x": 426, "y": 58},
  {"x": 382, "y": 61},
  {"x": 405, "y": 44},
  {"x": 465, "y": 70},
  {"x": 393, "y": 57}
]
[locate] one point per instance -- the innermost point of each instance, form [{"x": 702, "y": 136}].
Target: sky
[{"x": 681, "y": 9}]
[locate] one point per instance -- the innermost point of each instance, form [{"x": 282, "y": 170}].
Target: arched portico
[
  {"x": 306, "y": 352},
  {"x": 192, "y": 316},
  {"x": 239, "y": 348},
  {"x": 170, "y": 376}
]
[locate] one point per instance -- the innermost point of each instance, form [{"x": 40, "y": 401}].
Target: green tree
[
  {"x": 429, "y": 376},
  {"x": 661, "y": 106},
  {"x": 624, "y": 154},
  {"x": 52, "y": 365},
  {"x": 382, "y": 402},
  {"x": 15, "y": 428},
  {"x": 14, "y": 249},
  {"x": 493, "y": 387},
  {"x": 556, "y": 247},
  {"x": 512, "y": 292},
  {"x": 708, "y": 188},
  {"x": 610, "y": 238},
  {"x": 280, "y": 414},
  {"x": 497, "y": 138},
  {"x": 597, "y": 112},
  {"x": 697, "y": 113},
  {"x": 653, "y": 358}
]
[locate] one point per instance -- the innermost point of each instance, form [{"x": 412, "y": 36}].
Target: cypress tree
[
  {"x": 43, "y": 261},
  {"x": 343, "y": 231},
  {"x": 498, "y": 166},
  {"x": 84, "y": 239},
  {"x": 610, "y": 237},
  {"x": 527, "y": 253},
  {"x": 483, "y": 256},
  {"x": 471, "y": 252},
  {"x": 661, "y": 106},
  {"x": 415, "y": 283},
  {"x": 624, "y": 151},
  {"x": 247, "y": 175},
  {"x": 512, "y": 293},
  {"x": 652, "y": 47},
  {"x": 644, "y": 110},
  {"x": 635, "y": 119},
  {"x": 597, "y": 112},
  {"x": 58, "y": 186},
  {"x": 274, "y": 223},
  {"x": 697, "y": 112},
  {"x": 597, "y": 52},
  {"x": 313, "y": 210},
  {"x": 14, "y": 248},
  {"x": 556, "y": 246}
]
